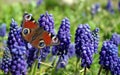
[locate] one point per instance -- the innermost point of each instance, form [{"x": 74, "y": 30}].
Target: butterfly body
[{"x": 36, "y": 35}]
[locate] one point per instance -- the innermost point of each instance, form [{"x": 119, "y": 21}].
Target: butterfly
[{"x": 35, "y": 34}]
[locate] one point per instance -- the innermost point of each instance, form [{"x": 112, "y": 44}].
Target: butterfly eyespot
[
  {"x": 55, "y": 39},
  {"x": 41, "y": 44},
  {"x": 49, "y": 34},
  {"x": 28, "y": 17},
  {"x": 25, "y": 31}
]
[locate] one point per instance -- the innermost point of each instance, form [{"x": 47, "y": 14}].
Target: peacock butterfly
[{"x": 35, "y": 34}]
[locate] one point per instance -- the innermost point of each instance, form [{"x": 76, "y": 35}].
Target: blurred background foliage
[{"x": 78, "y": 12}]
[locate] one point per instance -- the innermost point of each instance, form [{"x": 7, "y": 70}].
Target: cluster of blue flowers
[
  {"x": 64, "y": 37},
  {"x": 30, "y": 55},
  {"x": 17, "y": 50},
  {"x": 86, "y": 44},
  {"x": 115, "y": 38},
  {"x": 95, "y": 8},
  {"x": 14, "y": 62},
  {"x": 109, "y": 55},
  {"x": 119, "y": 5},
  {"x": 3, "y": 30},
  {"x": 38, "y": 3},
  {"x": 96, "y": 37},
  {"x": 63, "y": 60},
  {"x": 46, "y": 20},
  {"x": 62, "y": 49},
  {"x": 6, "y": 61},
  {"x": 109, "y": 7}
]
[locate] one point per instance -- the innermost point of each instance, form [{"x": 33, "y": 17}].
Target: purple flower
[
  {"x": 64, "y": 37},
  {"x": 95, "y": 34},
  {"x": 109, "y": 55},
  {"x": 109, "y": 7},
  {"x": 116, "y": 70},
  {"x": 17, "y": 49},
  {"x": 31, "y": 55},
  {"x": 62, "y": 61},
  {"x": 71, "y": 50},
  {"x": 119, "y": 5},
  {"x": 47, "y": 22},
  {"x": 6, "y": 61},
  {"x": 115, "y": 38},
  {"x": 18, "y": 64},
  {"x": 95, "y": 8},
  {"x": 39, "y": 2},
  {"x": 3, "y": 30},
  {"x": 65, "y": 50},
  {"x": 84, "y": 45}
]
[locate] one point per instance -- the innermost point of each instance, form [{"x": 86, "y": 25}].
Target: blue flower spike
[
  {"x": 17, "y": 49},
  {"x": 3, "y": 30},
  {"x": 63, "y": 50},
  {"x": 86, "y": 44}
]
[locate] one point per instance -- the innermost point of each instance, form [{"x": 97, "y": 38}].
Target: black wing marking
[{"x": 38, "y": 32}]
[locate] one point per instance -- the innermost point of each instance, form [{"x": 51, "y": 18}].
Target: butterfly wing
[
  {"x": 29, "y": 26},
  {"x": 43, "y": 38},
  {"x": 36, "y": 35}
]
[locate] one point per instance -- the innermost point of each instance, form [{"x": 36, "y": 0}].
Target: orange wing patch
[
  {"x": 30, "y": 25},
  {"x": 47, "y": 39}
]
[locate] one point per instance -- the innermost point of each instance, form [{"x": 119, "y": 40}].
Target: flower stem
[
  {"x": 52, "y": 65},
  {"x": 35, "y": 67},
  {"x": 85, "y": 71},
  {"x": 76, "y": 66},
  {"x": 107, "y": 72},
  {"x": 58, "y": 62},
  {"x": 100, "y": 70},
  {"x": 46, "y": 64}
]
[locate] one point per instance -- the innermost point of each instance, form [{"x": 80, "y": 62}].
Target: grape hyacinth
[
  {"x": 71, "y": 50},
  {"x": 17, "y": 49},
  {"x": 3, "y": 30},
  {"x": 39, "y": 2},
  {"x": 119, "y": 5},
  {"x": 31, "y": 55},
  {"x": 95, "y": 9},
  {"x": 116, "y": 70},
  {"x": 84, "y": 45},
  {"x": 14, "y": 35},
  {"x": 62, "y": 61},
  {"x": 64, "y": 37},
  {"x": 6, "y": 61},
  {"x": 47, "y": 22},
  {"x": 64, "y": 47},
  {"x": 109, "y": 7},
  {"x": 108, "y": 55},
  {"x": 115, "y": 38},
  {"x": 96, "y": 39},
  {"x": 18, "y": 64}
]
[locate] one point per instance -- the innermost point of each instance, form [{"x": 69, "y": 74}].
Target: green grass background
[{"x": 78, "y": 14}]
